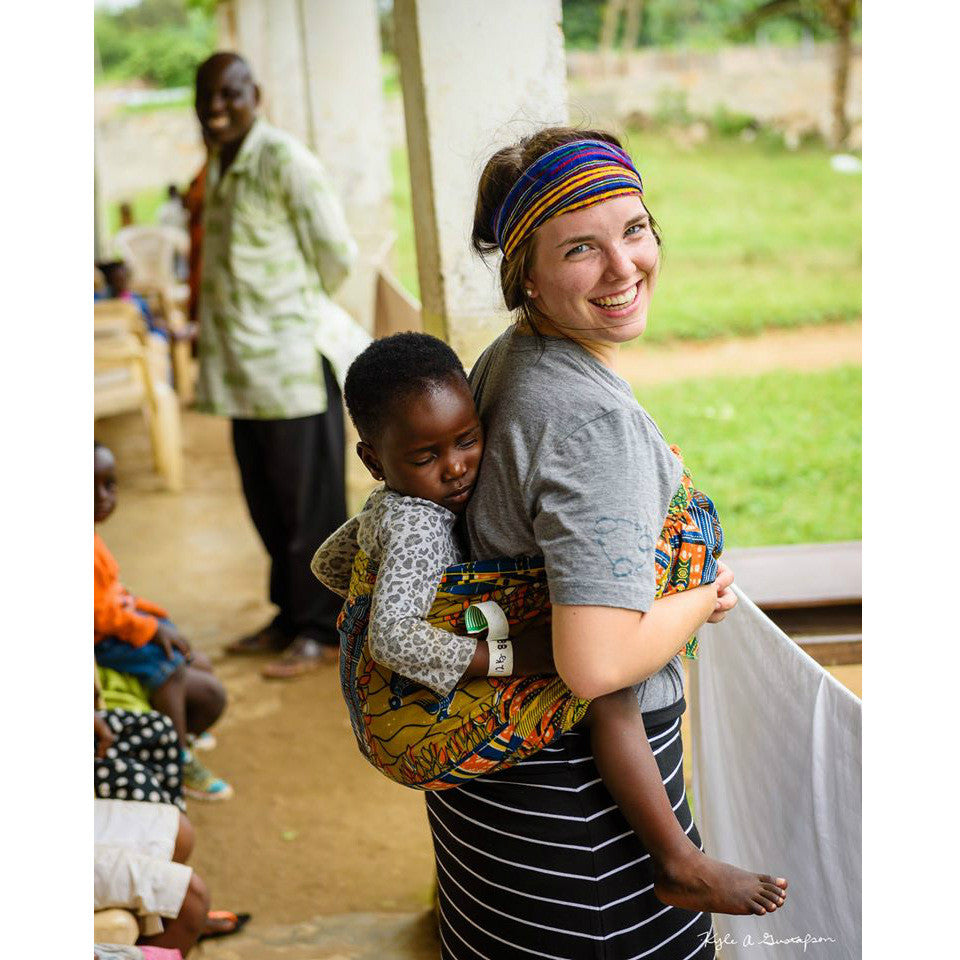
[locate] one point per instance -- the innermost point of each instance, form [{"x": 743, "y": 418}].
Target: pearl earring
[{"x": 528, "y": 291}]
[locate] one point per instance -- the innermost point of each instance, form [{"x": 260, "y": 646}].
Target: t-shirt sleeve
[
  {"x": 411, "y": 563},
  {"x": 600, "y": 497}
]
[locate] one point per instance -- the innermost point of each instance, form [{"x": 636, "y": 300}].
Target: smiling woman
[{"x": 576, "y": 472}]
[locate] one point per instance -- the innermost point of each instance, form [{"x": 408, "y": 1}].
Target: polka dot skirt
[{"x": 143, "y": 762}]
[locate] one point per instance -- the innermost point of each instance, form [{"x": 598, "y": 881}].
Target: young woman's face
[{"x": 594, "y": 271}]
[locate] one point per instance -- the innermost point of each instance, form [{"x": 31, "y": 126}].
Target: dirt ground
[
  {"x": 317, "y": 845},
  {"x": 805, "y": 349}
]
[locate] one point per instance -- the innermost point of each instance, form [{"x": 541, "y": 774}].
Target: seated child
[
  {"x": 410, "y": 401},
  {"x": 117, "y": 275},
  {"x": 134, "y": 636}
]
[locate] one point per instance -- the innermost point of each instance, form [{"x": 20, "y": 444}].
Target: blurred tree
[
  {"x": 611, "y": 21},
  {"x": 160, "y": 42},
  {"x": 587, "y": 24},
  {"x": 633, "y": 24},
  {"x": 840, "y": 16}
]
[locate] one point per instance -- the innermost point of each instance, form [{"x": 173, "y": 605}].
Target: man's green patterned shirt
[{"x": 275, "y": 244}]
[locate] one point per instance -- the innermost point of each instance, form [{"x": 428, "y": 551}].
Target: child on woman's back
[
  {"x": 410, "y": 401},
  {"x": 134, "y": 636}
]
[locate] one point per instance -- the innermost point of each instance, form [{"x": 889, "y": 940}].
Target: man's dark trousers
[{"x": 292, "y": 473}]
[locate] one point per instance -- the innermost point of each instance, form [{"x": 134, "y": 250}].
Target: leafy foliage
[
  {"x": 160, "y": 42},
  {"x": 701, "y": 23}
]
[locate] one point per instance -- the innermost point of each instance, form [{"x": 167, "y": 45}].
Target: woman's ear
[{"x": 368, "y": 456}]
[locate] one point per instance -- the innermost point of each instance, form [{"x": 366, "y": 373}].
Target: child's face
[
  {"x": 431, "y": 447},
  {"x": 118, "y": 278},
  {"x": 104, "y": 484}
]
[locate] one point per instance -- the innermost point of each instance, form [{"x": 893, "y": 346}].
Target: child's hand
[
  {"x": 726, "y": 598},
  {"x": 104, "y": 736},
  {"x": 170, "y": 640}
]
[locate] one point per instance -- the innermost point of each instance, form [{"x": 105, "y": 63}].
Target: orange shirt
[{"x": 116, "y": 613}]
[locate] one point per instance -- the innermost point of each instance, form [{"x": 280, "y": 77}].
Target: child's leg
[
  {"x": 171, "y": 698},
  {"x": 685, "y": 876},
  {"x": 205, "y": 699},
  {"x": 182, "y": 931}
]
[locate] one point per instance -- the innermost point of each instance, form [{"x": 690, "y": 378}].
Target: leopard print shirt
[{"x": 411, "y": 541}]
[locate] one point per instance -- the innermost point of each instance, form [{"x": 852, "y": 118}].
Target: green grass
[
  {"x": 405, "y": 252},
  {"x": 145, "y": 205},
  {"x": 184, "y": 101},
  {"x": 390, "y": 72},
  {"x": 779, "y": 454},
  {"x": 755, "y": 236}
]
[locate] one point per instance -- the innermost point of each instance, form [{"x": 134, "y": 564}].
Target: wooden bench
[{"x": 813, "y": 592}]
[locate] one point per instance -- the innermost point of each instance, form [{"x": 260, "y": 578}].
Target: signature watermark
[{"x": 802, "y": 940}]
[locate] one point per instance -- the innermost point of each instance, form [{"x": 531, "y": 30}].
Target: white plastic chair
[
  {"x": 151, "y": 252},
  {"x": 125, "y": 378}
]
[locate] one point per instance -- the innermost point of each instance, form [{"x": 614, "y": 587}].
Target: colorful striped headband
[{"x": 570, "y": 177}]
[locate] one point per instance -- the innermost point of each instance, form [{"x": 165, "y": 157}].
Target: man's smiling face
[{"x": 227, "y": 99}]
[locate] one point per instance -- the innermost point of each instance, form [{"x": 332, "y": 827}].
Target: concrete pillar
[
  {"x": 476, "y": 76},
  {"x": 318, "y": 62}
]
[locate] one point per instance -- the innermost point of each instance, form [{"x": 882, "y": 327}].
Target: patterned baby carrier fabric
[{"x": 423, "y": 740}]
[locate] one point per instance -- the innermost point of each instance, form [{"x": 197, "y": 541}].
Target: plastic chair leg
[{"x": 165, "y": 437}]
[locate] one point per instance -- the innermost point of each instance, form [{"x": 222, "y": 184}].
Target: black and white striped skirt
[{"x": 537, "y": 861}]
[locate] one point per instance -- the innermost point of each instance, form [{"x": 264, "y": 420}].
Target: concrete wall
[
  {"x": 140, "y": 151},
  {"x": 790, "y": 86},
  {"x": 318, "y": 63},
  {"x": 476, "y": 76}
]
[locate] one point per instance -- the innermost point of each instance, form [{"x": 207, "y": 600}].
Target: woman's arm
[{"x": 601, "y": 649}]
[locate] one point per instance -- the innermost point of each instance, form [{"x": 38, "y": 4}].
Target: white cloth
[
  {"x": 339, "y": 338},
  {"x": 776, "y": 784},
  {"x": 132, "y": 866}
]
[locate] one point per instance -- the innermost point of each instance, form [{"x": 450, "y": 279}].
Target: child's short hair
[{"x": 393, "y": 369}]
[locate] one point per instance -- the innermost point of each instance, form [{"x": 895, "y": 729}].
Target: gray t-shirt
[{"x": 573, "y": 469}]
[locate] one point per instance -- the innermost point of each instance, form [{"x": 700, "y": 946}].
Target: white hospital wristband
[{"x": 500, "y": 658}]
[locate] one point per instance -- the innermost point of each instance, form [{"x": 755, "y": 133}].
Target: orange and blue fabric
[{"x": 431, "y": 742}]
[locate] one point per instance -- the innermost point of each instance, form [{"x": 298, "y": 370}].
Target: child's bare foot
[{"x": 695, "y": 881}]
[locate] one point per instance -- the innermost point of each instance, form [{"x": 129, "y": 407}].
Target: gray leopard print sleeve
[
  {"x": 333, "y": 561},
  {"x": 412, "y": 541}
]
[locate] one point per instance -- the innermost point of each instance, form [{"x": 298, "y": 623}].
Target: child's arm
[
  {"x": 399, "y": 635},
  {"x": 111, "y": 617},
  {"x": 333, "y": 561}
]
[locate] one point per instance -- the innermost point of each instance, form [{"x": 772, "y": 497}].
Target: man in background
[{"x": 275, "y": 245}]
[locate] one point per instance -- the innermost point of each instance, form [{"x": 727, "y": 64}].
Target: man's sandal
[
  {"x": 223, "y": 923},
  {"x": 304, "y": 656},
  {"x": 268, "y": 640}
]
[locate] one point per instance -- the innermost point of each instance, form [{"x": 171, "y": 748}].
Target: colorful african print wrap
[
  {"x": 423, "y": 740},
  {"x": 570, "y": 177}
]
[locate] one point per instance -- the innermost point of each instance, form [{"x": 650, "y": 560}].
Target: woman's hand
[{"x": 726, "y": 598}]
